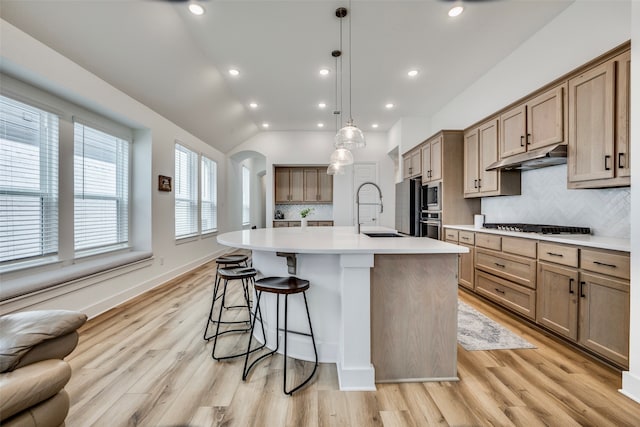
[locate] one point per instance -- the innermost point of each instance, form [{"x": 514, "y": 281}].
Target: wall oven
[
  {"x": 432, "y": 197},
  {"x": 431, "y": 225}
]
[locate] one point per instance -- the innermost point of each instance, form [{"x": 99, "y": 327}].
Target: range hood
[{"x": 533, "y": 159}]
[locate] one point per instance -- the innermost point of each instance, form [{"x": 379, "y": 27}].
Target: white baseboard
[{"x": 631, "y": 386}]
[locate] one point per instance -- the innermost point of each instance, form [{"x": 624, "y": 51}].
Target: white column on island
[{"x": 355, "y": 370}]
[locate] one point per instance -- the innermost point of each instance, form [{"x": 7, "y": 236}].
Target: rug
[{"x": 477, "y": 332}]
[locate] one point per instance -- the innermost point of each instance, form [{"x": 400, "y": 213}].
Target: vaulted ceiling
[{"x": 178, "y": 64}]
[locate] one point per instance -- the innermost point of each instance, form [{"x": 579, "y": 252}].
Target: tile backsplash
[
  {"x": 320, "y": 212},
  {"x": 546, "y": 199}
]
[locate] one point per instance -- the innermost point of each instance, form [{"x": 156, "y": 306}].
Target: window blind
[
  {"x": 246, "y": 196},
  {"x": 208, "y": 195},
  {"x": 186, "y": 191},
  {"x": 28, "y": 181},
  {"x": 101, "y": 189}
]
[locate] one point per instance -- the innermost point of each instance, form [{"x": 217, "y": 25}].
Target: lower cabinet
[
  {"x": 466, "y": 267},
  {"x": 558, "y": 299},
  {"x": 277, "y": 224},
  {"x": 515, "y": 297}
]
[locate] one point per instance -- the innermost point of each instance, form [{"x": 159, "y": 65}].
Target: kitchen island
[{"x": 384, "y": 309}]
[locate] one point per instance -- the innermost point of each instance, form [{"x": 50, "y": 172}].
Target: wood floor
[{"x": 145, "y": 363}]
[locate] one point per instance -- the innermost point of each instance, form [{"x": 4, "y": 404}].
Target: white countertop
[
  {"x": 611, "y": 243},
  {"x": 334, "y": 240}
]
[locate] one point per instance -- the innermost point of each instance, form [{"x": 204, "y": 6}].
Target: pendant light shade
[
  {"x": 341, "y": 157},
  {"x": 335, "y": 169},
  {"x": 350, "y": 137}
]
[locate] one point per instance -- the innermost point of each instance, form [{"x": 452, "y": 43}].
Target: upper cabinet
[
  {"x": 536, "y": 123},
  {"x": 599, "y": 125},
  {"x": 481, "y": 150},
  {"x": 432, "y": 160},
  {"x": 412, "y": 166},
  {"x": 303, "y": 185}
]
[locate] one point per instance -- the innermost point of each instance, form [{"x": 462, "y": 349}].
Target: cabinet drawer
[
  {"x": 277, "y": 224},
  {"x": 466, "y": 237},
  {"x": 609, "y": 263},
  {"x": 489, "y": 241},
  {"x": 510, "y": 267},
  {"x": 559, "y": 254},
  {"x": 450, "y": 234},
  {"x": 524, "y": 247},
  {"x": 518, "y": 298}
]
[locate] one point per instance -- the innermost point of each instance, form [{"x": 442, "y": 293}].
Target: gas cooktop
[{"x": 538, "y": 228}]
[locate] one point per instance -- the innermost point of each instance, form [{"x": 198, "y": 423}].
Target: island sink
[{"x": 382, "y": 234}]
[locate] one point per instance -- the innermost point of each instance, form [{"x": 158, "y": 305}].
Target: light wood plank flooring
[{"x": 145, "y": 363}]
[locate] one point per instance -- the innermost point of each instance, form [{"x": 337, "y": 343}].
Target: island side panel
[{"x": 414, "y": 306}]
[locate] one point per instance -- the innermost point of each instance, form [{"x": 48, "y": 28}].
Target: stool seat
[
  {"x": 281, "y": 285},
  {"x": 231, "y": 273},
  {"x": 231, "y": 259}
]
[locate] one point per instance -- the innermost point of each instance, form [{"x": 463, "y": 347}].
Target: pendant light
[
  {"x": 350, "y": 136},
  {"x": 341, "y": 157}
]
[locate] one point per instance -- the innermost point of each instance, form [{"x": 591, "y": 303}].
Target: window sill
[{"x": 29, "y": 283}]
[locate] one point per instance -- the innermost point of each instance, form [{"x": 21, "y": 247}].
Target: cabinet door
[
  {"x": 623, "y": 156},
  {"x": 471, "y": 163},
  {"x": 426, "y": 163},
  {"x": 325, "y": 186},
  {"x": 488, "y": 143},
  {"x": 604, "y": 317},
  {"x": 416, "y": 163},
  {"x": 282, "y": 185},
  {"x": 311, "y": 185},
  {"x": 406, "y": 166},
  {"x": 591, "y": 115},
  {"x": 435, "y": 167},
  {"x": 512, "y": 132},
  {"x": 545, "y": 119},
  {"x": 296, "y": 184},
  {"x": 466, "y": 269},
  {"x": 557, "y": 304}
]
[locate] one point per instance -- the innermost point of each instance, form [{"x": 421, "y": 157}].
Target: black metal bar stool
[
  {"x": 224, "y": 261},
  {"x": 280, "y": 286},
  {"x": 246, "y": 275}
]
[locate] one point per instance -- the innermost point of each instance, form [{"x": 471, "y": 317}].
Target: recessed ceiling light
[
  {"x": 322, "y": 105},
  {"x": 196, "y": 9},
  {"x": 253, "y": 105},
  {"x": 456, "y": 11},
  {"x": 375, "y": 126},
  {"x": 324, "y": 72},
  {"x": 265, "y": 125},
  {"x": 234, "y": 72},
  {"x": 412, "y": 73},
  {"x": 389, "y": 106}
]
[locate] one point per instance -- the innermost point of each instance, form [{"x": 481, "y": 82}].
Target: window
[
  {"x": 246, "y": 196},
  {"x": 208, "y": 196},
  {"x": 28, "y": 181},
  {"x": 101, "y": 189},
  {"x": 186, "y": 190}
]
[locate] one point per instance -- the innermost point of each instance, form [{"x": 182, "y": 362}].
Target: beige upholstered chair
[{"x": 32, "y": 372}]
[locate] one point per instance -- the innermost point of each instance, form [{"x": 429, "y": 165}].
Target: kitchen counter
[
  {"x": 599, "y": 242},
  {"x": 364, "y": 292}
]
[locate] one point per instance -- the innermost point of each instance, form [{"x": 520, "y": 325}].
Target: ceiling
[{"x": 177, "y": 63}]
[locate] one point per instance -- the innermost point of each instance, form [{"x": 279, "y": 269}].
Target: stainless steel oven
[
  {"x": 432, "y": 197},
  {"x": 431, "y": 224}
]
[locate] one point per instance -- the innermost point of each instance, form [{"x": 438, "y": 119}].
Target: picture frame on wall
[{"x": 164, "y": 183}]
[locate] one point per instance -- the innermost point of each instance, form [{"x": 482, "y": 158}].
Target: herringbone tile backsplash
[{"x": 545, "y": 199}]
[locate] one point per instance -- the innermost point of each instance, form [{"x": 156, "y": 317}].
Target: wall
[
  {"x": 315, "y": 148},
  {"x": 29, "y": 60}
]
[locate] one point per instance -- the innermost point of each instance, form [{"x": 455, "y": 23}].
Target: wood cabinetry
[
  {"x": 303, "y": 185},
  {"x": 278, "y": 224},
  {"x": 558, "y": 299},
  {"x": 466, "y": 261},
  {"x": 536, "y": 123},
  {"x": 432, "y": 160},
  {"x": 480, "y": 151},
  {"x": 599, "y": 125},
  {"x": 412, "y": 163}
]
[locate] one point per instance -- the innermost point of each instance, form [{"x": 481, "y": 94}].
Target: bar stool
[
  {"x": 280, "y": 286},
  {"x": 222, "y": 261},
  {"x": 246, "y": 275}
]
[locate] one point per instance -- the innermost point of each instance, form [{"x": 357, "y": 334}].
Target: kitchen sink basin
[{"x": 382, "y": 234}]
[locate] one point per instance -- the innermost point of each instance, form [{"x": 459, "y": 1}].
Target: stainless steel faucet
[{"x": 358, "y": 202}]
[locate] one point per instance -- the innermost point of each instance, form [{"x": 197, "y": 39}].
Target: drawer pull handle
[
  {"x": 500, "y": 265},
  {"x": 521, "y": 140},
  {"x": 582, "y": 295},
  {"x": 604, "y": 264},
  {"x": 571, "y": 286},
  {"x": 464, "y": 238},
  {"x": 620, "y": 164},
  {"x": 606, "y": 162},
  {"x": 475, "y": 183},
  {"x": 554, "y": 254},
  {"x": 500, "y": 291},
  {"x": 528, "y": 139}
]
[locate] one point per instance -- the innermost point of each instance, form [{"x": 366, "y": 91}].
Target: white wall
[
  {"x": 29, "y": 60},
  {"x": 315, "y": 148}
]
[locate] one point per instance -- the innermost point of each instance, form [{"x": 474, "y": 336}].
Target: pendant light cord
[{"x": 350, "y": 15}]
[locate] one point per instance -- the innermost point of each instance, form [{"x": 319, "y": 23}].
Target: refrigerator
[{"x": 408, "y": 207}]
